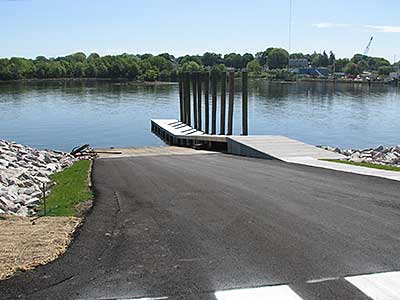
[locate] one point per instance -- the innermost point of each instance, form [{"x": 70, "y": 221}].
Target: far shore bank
[
  {"x": 121, "y": 81},
  {"x": 323, "y": 80},
  {"x": 125, "y": 81}
]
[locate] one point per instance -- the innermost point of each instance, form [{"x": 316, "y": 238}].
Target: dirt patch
[
  {"x": 83, "y": 208},
  {"x": 25, "y": 244}
]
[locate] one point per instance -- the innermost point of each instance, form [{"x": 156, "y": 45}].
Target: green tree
[
  {"x": 167, "y": 56},
  {"x": 79, "y": 70},
  {"x": 5, "y": 73},
  {"x": 233, "y": 60},
  {"x": 117, "y": 69},
  {"x": 332, "y": 58},
  {"x": 315, "y": 59},
  {"x": 165, "y": 75},
  {"x": 145, "y": 56},
  {"x": 278, "y": 58},
  {"x": 211, "y": 59},
  {"x": 385, "y": 70},
  {"x": 102, "y": 70},
  {"x": 78, "y": 57},
  {"x": 41, "y": 58},
  {"x": 24, "y": 67},
  {"x": 191, "y": 66},
  {"x": 41, "y": 70},
  {"x": 55, "y": 70},
  {"x": 262, "y": 57},
  {"x": 296, "y": 56},
  {"x": 217, "y": 70},
  {"x": 341, "y": 64},
  {"x": 254, "y": 66},
  {"x": 93, "y": 57},
  {"x": 160, "y": 63},
  {"x": 133, "y": 69},
  {"x": 150, "y": 75},
  {"x": 352, "y": 69},
  {"x": 187, "y": 58},
  {"x": 358, "y": 57},
  {"x": 374, "y": 63},
  {"x": 246, "y": 58},
  {"x": 324, "y": 60},
  {"x": 362, "y": 66},
  {"x": 91, "y": 70}
]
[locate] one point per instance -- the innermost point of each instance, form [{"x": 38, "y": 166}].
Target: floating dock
[{"x": 177, "y": 133}]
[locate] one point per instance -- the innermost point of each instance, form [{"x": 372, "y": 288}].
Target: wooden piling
[
  {"x": 199, "y": 101},
  {"x": 213, "y": 103},
  {"x": 194, "y": 90},
  {"x": 223, "y": 104},
  {"x": 206, "y": 102},
  {"x": 187, "y": 90},
  {"x": 184, "y": 98},
  {"x": 181, "y": 103},
  {"x": 245, "y": 129},
  {"x": 231, "y": 101}
]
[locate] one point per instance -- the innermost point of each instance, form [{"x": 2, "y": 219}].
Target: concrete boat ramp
[
  {"x": 283, "y": 148},
  {"x": 176, "y": 133}
]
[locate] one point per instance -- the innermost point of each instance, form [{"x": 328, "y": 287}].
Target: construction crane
[{"x": 368, "y": 46}]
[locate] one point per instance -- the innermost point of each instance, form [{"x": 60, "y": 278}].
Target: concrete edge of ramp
[
  {"x": 148, "y": 151},
  {"x": 310, "y": 161},
  {"x": 279, "y": 147}
]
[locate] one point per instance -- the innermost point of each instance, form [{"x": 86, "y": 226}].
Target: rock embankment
[
  {"x": 22, "y": 173},
  {"x": 379, "y": 155}
]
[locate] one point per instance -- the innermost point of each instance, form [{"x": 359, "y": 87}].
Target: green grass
[
  {"x": 71, "y": 189},
  {"x": 365, "y": 164}
]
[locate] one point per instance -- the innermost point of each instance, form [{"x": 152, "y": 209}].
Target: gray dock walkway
[
  {"x": 267, "y": 146},
  {"x": 279, "y": 147}
]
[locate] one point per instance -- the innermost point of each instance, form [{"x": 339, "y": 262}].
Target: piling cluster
[
  {"x": 198, "y": 90},
  {"x": 23, "y": 171}
]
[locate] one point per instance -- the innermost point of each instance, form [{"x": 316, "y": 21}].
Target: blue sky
[{"x": 57, "y": 27}]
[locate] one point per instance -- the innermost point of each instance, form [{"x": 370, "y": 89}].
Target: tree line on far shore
[{"x": 165, "y": 67}]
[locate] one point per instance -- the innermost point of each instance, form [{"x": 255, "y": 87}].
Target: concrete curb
[{"x": 309, "y": 161}]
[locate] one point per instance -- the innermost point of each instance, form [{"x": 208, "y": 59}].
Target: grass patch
[
  {"x": 365, "y": 164},
  {"x": 71, "y": 189}
]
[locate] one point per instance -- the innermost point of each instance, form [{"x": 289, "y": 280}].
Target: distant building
[
  {"x": 394, "y": 76},
  {"x": 298, "y": 63},
  {"x": 265, "y": 68},
  {"x": 312, "y": 72},
  {"x": 323, "y": 72},
  {"x": 340, "y": 74}
]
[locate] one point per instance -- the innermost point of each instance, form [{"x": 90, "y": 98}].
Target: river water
[{"x": 61, "y": 115}]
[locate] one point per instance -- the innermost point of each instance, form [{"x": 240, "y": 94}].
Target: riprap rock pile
[
  {"x": 23, "y": 170},
  {"x": 380, "y": 155}
]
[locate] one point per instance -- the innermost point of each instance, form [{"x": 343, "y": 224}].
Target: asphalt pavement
[{"x": 222, "y": 227}]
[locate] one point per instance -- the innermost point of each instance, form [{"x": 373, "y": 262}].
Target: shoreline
[
  {"x": 316, "y": 80},
  {"x": 117, "y": 81},
  {"x": 381, "y": 155},
  {"x": 125, "y": 81}
]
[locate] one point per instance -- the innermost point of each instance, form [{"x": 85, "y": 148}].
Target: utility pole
[{"x": 290, "y": 25}]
